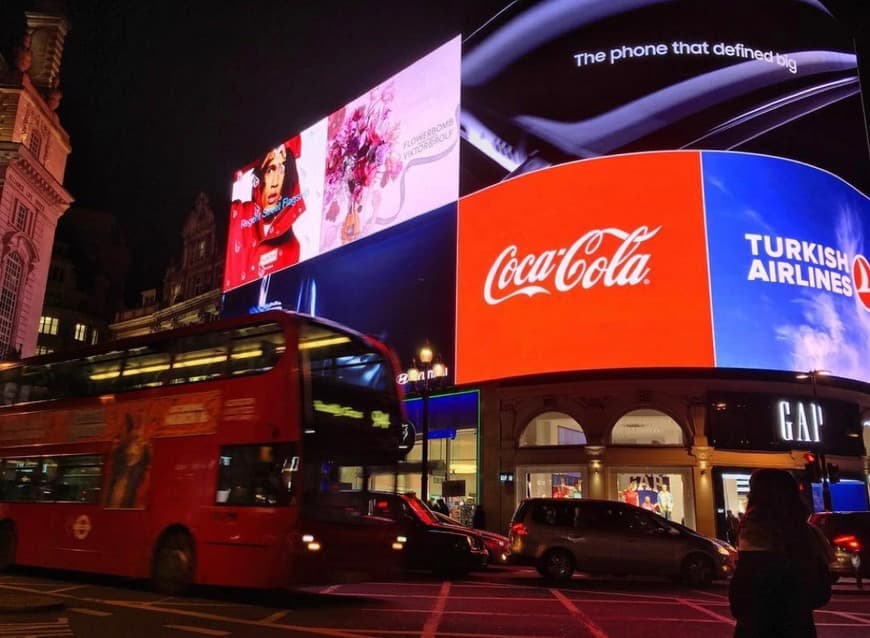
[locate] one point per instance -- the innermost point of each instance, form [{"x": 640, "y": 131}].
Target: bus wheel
[
  {"x": 8, "y": 543},
  {"x": 172, "y": 572}
]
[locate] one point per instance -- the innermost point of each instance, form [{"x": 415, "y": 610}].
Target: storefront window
[
  {"x": 663, "y": 492},
  {"x": 646, "y": 427},
  {"x": 557, "y": 481},
  {"x": 552, "y": 428}
]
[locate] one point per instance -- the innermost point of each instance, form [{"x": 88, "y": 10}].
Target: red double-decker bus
[{"x": 213, "y": 454}]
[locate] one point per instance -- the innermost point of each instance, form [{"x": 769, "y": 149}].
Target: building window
[
  {"x": 552, "y": 428},
  {"x": 95, "y": 336},
  {"x": 646, "y": 427},
  {"x": 21, "y": 217},
  {"x": 81, "y": 332},
  {"x": 13, "y": 275},
  {"x": 48, "y": 325},
  {"x": 44, "y": 350},
  {"x": 34, "y": 142},
  {"x": 201, "y": 249}
]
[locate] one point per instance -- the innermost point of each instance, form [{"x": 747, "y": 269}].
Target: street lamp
[
  {"x": 424, "y": 379},
  {"x": 812, "y": 375}
]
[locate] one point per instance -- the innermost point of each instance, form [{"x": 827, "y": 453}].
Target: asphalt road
[{"x": 496, "y": 603}]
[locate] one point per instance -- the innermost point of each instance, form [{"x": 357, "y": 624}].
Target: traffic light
[
  {"x": 833, "y": 473},
  {"x": 812, "y": 468}
]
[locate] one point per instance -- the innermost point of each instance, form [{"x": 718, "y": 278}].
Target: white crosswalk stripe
[{"x": 37, "y": 629}]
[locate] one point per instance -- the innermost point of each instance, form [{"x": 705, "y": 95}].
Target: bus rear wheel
[
  {"x": 8, "y": 545},
  {"x": 172, "y": 571}
]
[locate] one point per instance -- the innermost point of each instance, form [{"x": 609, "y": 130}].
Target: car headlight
[{"x": 723, "y": 550}]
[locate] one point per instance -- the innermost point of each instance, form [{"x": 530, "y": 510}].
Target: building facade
[
  {"x": 191, "y": 285},
  {"x": 651, "y": 279},
  {"x": 33, "y": 153},
  {"x": 85, "y": 288}
]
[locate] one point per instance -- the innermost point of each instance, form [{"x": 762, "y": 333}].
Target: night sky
[{"x": 164, "y": 98}]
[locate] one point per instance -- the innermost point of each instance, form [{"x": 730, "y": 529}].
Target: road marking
[
  {"x": 70, "y": 588},
  {"x": 60, "y": 629},
  {"x": 89, "y": 612},
  {"x": 430, "y": 627},
  {"x": 585, "y": 620},
  {"x": 278, "y": 615},
  {"x": 704, "y": 610},
  {"x": 199, "y": 630},
  {"x": 845, "y": 614}
]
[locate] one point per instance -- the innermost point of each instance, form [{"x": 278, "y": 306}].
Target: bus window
[
  {"x": 256, "y": 475},
  {"x": 9, "y": 382},
  {"x": 79, "y": 478},
  {"x": 256, "y": 349},
  {"x": 20, "y": 480},
  {"x": 199, "y": 358},
  {"x": 144, "y": 368},
  {"x": 103, "y": 372}
]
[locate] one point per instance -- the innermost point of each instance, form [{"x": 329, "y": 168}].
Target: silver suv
[{"x": 559, "y": 536}]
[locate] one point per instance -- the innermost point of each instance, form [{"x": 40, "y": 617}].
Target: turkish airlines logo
[
  {"x": 583, "y": 264},
  {"x": 861, "y": 277}
]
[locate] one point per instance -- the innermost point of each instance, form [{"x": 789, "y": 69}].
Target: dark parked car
[
  {"x": 497, "y": 546},
  {"x": 559, "y": 536},
  {"x": 849, "y": 534},
  {"x": 429, "y": 545}
]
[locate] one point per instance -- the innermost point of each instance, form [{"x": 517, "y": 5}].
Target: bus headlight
[
  {"x": 311, "y": 543},
  {"x": 399, "y": 543}
]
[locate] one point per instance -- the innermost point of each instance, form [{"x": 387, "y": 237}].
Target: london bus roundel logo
[
  {"x": 81, "y": 527},
  {"x": 861, "y": 277}
]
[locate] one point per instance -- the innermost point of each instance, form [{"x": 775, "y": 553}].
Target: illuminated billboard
[
  {"x": 550, "y": 81},
  {"x": 398, "y": 285},
  {"x": 666, "y": 259},
  {"x": 384, "y": 158}
]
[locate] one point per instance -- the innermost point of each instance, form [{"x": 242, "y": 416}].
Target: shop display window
[
  {"x": 552, "y": 482},
  {"x": 663, "y": 493}
]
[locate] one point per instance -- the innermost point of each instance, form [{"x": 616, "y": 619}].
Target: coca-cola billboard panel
[
  {"x": 593, "y": 264},
  {"x": 790, "y": 280}
]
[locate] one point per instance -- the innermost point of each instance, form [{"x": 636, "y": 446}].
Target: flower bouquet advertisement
[{"x": 393, "y": 153}]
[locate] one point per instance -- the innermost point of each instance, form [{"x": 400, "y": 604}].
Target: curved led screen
[
  {"x": 664, "y": 259},
  {"x": 384, "y": 158},
  {"x": 550, "y": 81}
]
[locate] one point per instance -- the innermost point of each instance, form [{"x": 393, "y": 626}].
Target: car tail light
[
  {"x": 848, "y": 541},
  {"x": 519, "y": 529}
]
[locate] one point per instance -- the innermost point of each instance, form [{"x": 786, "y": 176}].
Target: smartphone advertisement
[
  {"x": 665, "y": 259},
  {"x": 550, "y": 81}
]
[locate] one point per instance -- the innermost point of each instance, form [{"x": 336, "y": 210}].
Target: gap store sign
[{"x": 799, "y": 421}]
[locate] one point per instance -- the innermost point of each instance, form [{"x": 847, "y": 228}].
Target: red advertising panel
[{"x": 593, "y": 264}]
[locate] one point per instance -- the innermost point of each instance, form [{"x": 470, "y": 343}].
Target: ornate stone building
[
  {"x": 191, "y": 285},
  {"x": 85, "y": 286},
  {"x": 33, "y": 153}
]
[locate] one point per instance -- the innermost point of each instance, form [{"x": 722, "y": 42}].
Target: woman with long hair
[{"x": 782, "y": 572}]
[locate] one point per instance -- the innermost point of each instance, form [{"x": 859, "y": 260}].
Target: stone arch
[
  {"x": 647, "y": 426},
  {"x": 551, "y": 429}
]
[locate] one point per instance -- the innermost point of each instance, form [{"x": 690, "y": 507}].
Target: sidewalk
[{"x": 12, "y": 602}]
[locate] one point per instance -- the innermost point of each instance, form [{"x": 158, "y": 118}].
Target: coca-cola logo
[
  {"x": 861, "y": 277},
  {"x": 588, "y": 262}
]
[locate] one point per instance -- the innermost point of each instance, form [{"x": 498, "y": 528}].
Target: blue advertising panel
[
  {"x": 398, "y": 285},
  {"x": 789, "y": 277}
]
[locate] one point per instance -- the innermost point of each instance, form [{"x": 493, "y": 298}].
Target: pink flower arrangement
[{"x": 360, "y": 153}]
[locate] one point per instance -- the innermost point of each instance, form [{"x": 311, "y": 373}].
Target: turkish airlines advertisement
[
  {"x": 386, "y": 157},
  {"x": 665, "y": 259}
]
